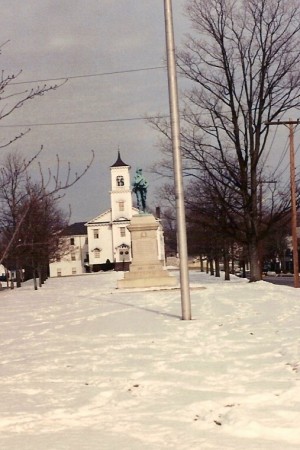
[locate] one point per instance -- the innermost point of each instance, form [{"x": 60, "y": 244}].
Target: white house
[
  {"x": 105, "y": 241},
  {"x": 75, "y": 252}
]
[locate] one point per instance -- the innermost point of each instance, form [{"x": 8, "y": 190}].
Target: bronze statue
[{"x": 140, "y": 186}]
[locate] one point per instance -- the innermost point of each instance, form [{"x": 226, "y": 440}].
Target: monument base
[
  {"x": 145, "y": 270},
  {"x": 146, "y": 279}
]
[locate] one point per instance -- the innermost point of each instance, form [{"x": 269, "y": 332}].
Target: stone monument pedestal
[{"x": 145, "y": 270}]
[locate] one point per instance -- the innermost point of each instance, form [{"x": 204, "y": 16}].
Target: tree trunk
[
  {"x": 232, "y": 259},
  {"x": 255, "y": 262},
  {"x": 217, "y": 266},
  {"x": 201, "y": 264},
  {"x": 18, "y": 276},
  {"x": 34, "y": 280},
  {"x": 211, "y": 266},
  {"x": 44, "y": 273},
  {"x": 226, "y": 267},
  {"x": 243, "y": 267},
  {"x": 40, "y": 276}
]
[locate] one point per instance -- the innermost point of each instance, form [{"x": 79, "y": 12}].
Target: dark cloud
[{"x": 61, "y": 38}]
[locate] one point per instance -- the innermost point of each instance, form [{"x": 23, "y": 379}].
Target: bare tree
[
  {"x": 38, "y": 240},
  {"x": 13, "y": 97},
  {"x": 30, "y": 220},
  {"x": 243, "y": 65}
]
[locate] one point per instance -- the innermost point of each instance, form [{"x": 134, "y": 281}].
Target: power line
[
  {"x": 90, "y": 75},
  {"x": 83, "y": 122},
  {"x": 126, "y": 119}
]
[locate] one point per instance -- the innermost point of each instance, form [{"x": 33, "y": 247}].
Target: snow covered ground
[{"x": 85, "y": 366}]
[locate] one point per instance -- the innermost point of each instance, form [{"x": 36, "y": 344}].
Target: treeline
[
  {"x": 31, "y": 220},
  {"x": 241, "y": 65}
]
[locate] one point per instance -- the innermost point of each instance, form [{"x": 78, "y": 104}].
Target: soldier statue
[{"x": 140, "y": 186}]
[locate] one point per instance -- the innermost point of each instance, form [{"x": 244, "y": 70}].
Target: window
[
  {"x": 59, "y": 272},
  {"x": 122, "y": 231},
  {"x": 96, "y": 234},
  {"x": 73, "y": 256},
  {"x": 73, "y": 270},
  {"x": 121, "y": 205},
  {"x": 97, "y": 253},
  {"x": 86, "y": 241},
  {"x": 120, "y": 180},
  {"x": 72, "y": 241}
]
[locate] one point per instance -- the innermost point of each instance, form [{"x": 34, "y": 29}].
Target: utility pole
[
  {"x": 177, "y": 162},
  {"x": 291, "y": 125}
]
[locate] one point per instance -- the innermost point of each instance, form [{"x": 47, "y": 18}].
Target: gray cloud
[{"x": 61, "y": 38}]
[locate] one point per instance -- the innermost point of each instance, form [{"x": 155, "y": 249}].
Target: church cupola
[
  {"x": 119, "y": 162},
  {"x": 120, "y": 194}
]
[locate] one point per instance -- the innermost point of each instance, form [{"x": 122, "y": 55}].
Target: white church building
[{"x": 104, "y": 242}]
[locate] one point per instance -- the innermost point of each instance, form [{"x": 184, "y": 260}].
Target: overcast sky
[
  {"x": 68, "y": 38},
  {"x": 86, "y": 41}
]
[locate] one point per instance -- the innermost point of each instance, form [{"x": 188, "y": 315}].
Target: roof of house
[
  {"x": 104, "y": 217},
  {"x": 119, "y": 162},
  {"x": 76, "y": 229}
]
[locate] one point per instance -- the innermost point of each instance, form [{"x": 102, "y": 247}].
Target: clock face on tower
[{"x": 120, "y": 180}]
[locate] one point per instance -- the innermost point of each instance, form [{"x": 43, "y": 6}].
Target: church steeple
[
  {"x": 119, "y": 162},
  {"x": 120, "y": 194}
]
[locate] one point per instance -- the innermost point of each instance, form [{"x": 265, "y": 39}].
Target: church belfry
[{"x": 120, "y": 194}]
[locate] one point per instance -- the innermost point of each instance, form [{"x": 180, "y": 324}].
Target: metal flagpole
[{"x": 175, "y": 130}]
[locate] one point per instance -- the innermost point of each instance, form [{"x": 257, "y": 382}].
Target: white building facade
[
  {"x": 106, "y": 242},
  {"x": 74, "y": 259},
  {"x": 108, "y": 236}
]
